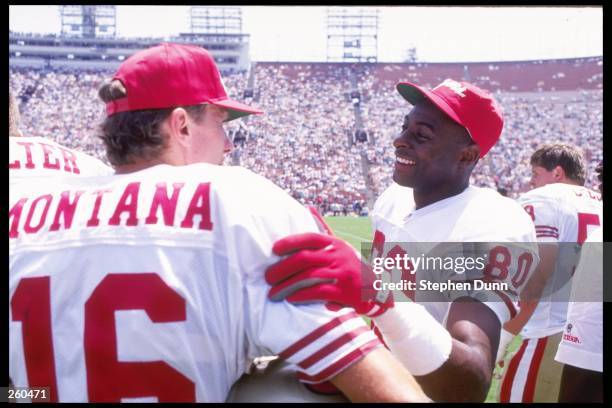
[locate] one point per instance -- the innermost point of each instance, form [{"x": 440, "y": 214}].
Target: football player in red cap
[
  {"x": 447, "y": 340},
  {"x": 148, "y": 285}
]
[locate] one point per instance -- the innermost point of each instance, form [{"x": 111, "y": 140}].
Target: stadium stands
[{"x": 302, "y": 143}]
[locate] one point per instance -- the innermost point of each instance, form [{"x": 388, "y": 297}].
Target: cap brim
[
  {"x": 236, "y": 110},
  {"x": 415, "y": 94}
]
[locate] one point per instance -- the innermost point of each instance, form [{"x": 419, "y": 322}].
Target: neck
[
  {"x": 133, "y": 167},
  {"x": 572, "y": 182},
  {"x": 423, "y": 198}
]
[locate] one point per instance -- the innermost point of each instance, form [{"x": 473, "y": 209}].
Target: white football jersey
[
  {"x": 582, "y": 341},
  {"x": 150, "y": 286},
  {"x": 476, "y": 215},
  {"x": 562, "y": 213},
  {"x": 40, "y": 157}
]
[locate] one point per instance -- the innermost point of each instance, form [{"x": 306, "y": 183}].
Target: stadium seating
[{"x": 303, "y": 143}]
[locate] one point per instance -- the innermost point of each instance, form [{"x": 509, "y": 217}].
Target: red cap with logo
[
  {"x": 170, "y": 75},
  {"x": 466, "y": 104}
]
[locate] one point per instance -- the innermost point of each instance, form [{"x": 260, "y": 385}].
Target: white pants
[
  {"x": 532, "y": 374},
  {"x": 582, "y": 342}
]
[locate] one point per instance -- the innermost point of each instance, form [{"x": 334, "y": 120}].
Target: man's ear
[
  {"x": 469, "y": 155},
  {"x": 558, "y": 173},
  {"x": 178, "y": 127}
]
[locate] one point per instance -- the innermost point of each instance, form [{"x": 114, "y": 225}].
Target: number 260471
[{"x": 34, "y": 394}]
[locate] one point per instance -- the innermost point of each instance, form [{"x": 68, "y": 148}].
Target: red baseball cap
[
  {"x": 170, "y": 75},
  {"x": 466, "y": 104}
]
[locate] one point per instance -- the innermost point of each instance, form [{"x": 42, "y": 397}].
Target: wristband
[
  {"x": 505, "y": 338},
  {"x": 414, "y": 337}
]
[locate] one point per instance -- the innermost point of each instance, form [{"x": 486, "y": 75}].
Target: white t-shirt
[
  {"x": 476, "y": 215},
  {"x": 582, "y": 341},
  {"x": 562, "y": 213},
  {"x": 32, "y": 157},
  {"x": 153, "y": 285}
]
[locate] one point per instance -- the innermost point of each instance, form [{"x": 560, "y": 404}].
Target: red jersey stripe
[
  {"x": 341, "y": 364},
  {"x": 333, "y": 346},
  {"x": 547, "y": 227},
  {"x": 545, "y": 235},
  {"x": 315, "y": 334}
]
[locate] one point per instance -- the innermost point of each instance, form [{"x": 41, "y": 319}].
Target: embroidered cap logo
[{"x": 453, "y": 86}]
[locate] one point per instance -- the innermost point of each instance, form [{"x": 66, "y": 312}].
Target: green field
[
  {"x": 356, "y": 230},
  {"x": 495, "y": 383}
]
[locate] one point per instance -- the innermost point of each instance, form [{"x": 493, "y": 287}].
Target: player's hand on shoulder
[{"x": 320, "y": 267}]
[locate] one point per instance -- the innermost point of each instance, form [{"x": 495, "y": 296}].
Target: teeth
[{"x": 405, "y": 161}]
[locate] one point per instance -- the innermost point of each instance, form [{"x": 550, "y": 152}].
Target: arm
[
  {"x": 453, "y": 363},
  {"x": 534, "y": 287},
  {"x": 379, "y": 377},
  {"x": 466, "y": 375},
  {"x": 545, "y": 215}
]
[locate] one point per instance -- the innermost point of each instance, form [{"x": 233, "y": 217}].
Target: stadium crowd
[{"x": 302, "y": 142}]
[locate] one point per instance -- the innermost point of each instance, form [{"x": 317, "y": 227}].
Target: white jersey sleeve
[
  {"x": 318, "y": 341},
  {"x": 549, "y": 217},
  {"x": 31, "y": 157}
]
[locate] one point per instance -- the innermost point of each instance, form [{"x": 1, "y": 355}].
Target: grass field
[{"x": 356, "y": 230}]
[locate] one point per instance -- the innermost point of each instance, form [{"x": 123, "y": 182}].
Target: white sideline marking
[{"x": 359, "y": 237}]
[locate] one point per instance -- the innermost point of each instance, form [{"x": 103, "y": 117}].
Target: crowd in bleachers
[
  {"x": 302, "y": 142},
  {"x": 64, "y": 105},
  {"x": 513, "y": 76}
]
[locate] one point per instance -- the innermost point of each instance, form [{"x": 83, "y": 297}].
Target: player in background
[
  {"x": 449, "y": 345},
  {"x": 564, "y": 212},
  {"x": 581, "y": 347},
  {"x": 35, "y": 156},
  {"x": 148, "y": 285}
]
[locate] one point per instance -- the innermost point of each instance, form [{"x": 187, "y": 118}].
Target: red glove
[{"x": 325, "y": 268}]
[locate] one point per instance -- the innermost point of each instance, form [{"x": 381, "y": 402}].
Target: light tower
[
  {"x": 352, "y": 34},
  {"x": 216, "y": 20},
  {"x": 88, "y": 21},
  {"x": 219, "y": 30}
]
